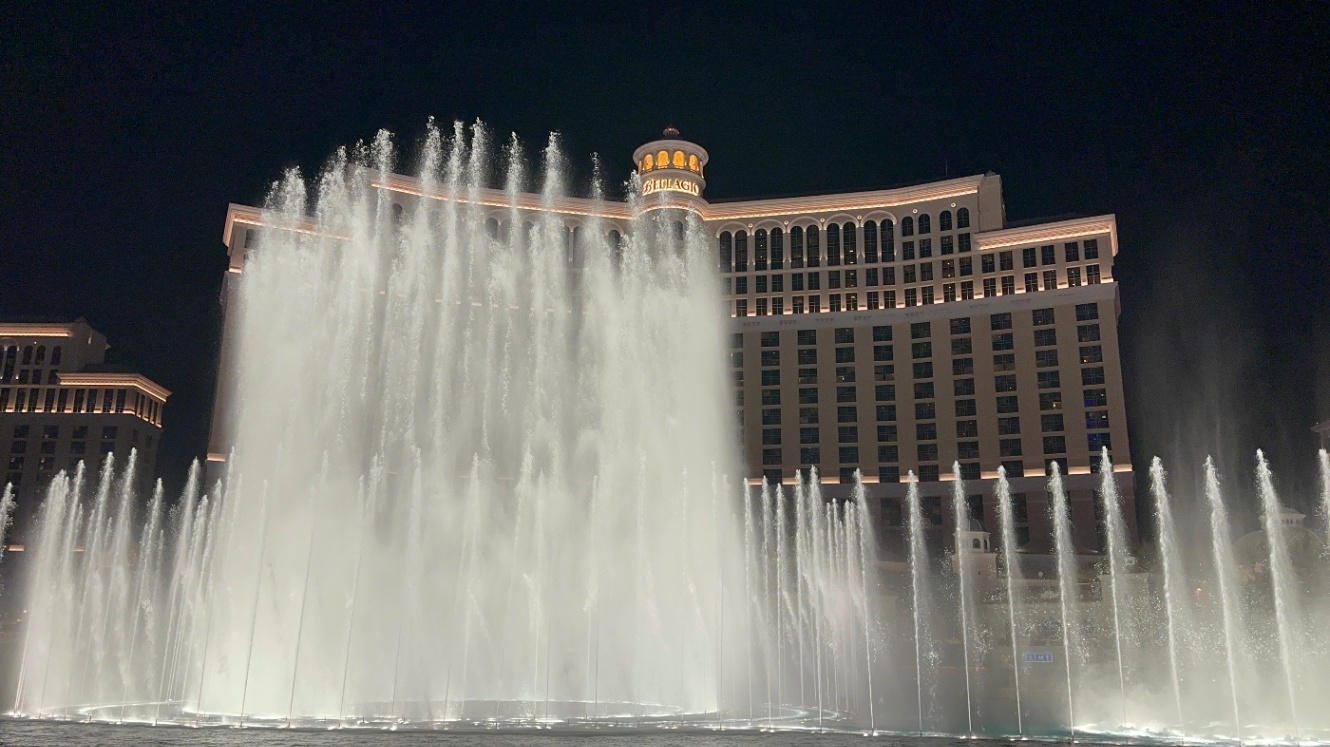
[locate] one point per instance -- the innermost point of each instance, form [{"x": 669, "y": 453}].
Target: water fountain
[{"x": 483, "y": 479}]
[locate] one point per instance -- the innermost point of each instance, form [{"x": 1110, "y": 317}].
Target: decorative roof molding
[{"x": 138, "y": 381}]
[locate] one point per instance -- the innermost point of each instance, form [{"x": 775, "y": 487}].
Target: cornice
[{"x": 138, "y": 381}]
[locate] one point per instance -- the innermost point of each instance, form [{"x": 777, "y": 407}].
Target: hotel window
[
  {"x": 888, "y": 275},
  {"x": 886, "y": 413},
  {"x": 797, "y": 281},
  {"x": 967, "y": 290},
  {"x": 777, "y": 249},
  {"x": 1028, "y": 258},
  {"x": 1014, "y": 468},
  {"x": 1009, "y": 447},
  {"x": 1092, "y": 249},
  {"x": 771, "y": 378},
  {"x": 739, "y": 397},
  {"x": 963, "y": 218},
  {"x": 1042, "y": 317},
  {"x": 907, "y": 250},
  {"x": 771, "y": 436},
  {"x": 1050, "y": 280},
  {"x": 962, "y": 345},
  {"x": 777, "y": 283},
  {"x": 1086, "y": 312},
  {"x": 851, "y": 278},
  {"x": 1008, "y": 285},
  {"x": 962, "y": 366},
  {"x": 771, "y": 417},
  {"x": 925, "y": 224},
  {"x": 761, "y": 307},
  {"x": 811, "y": 455},
  {"x": 1092, "y": 354},
  {"x": 927, "y": 453},
  {"x": 741, "y": 307},
  {"x": 1005, "y": 261},
  {"x": 1046, "y": 358},
  {"x": 885, "y": 392},
  {"x": 814, "y": 281},
  {"x": 741, "y": 251},
  {"x": 1049, "y": 380},
  {"x": 1092, "y": 376},
  {"x": 807, "y": 376},
  {"x": 944, "y": 221},
  {"x": 727, "y": 286},
  {"x": 1045, "y": 337},
  {"x": 1096, "y": 398},
  {"x": 967, "y": 266},
  {"x": 1055, "y": 445},
  {"x": 1005, "y": 383},
  {"x": 926, "y": 432},
  {"x": 911, "y": 297},
  {"x": 920, "y": 330},
  {"x": 965, "y": 408},
  {"x": 1051, "y": 423},
  {"x": 1087, "y": 333},
  {"x": 808, "y": 396},
  {"x": 910, "y": 276},
  {"x": 870, "y": 242},
  {"x": 948, "y": 246},
  {"x": 796, "y": 248},
  {"x": 925, "y": 248},
  {"x": 797, "y": 305},
  {"x": 760, "y": 283},
  {"x": 1004, "y": 362},
  {"x": 888, "y": 241},
  {"x": 777, "y": 306},
  {"x": 948, "y": 269},
  {"x": 833, "y": 278},
  {"x": 924, "y": 390},
  {"x": 1000, "y": 321},
  {"x": 870, "y": 277},
  {"x": 1048, "y": 254},
  {"x": 874, "y": 302},
  {"x": 1096, "y": 419},
  {"x": 963, "y": 387},
  {"x": 1031, "y": 282},
  {"x": 967, "y": 429},
  {"x": 1092, "y": 274},
  {"x": 770, "y": 358},
  {"x": 848, "y": 434},
  {"x": 968, "y": 449},
  {"x": 1072, "y": 251},
  {"x": 849, "y": 243},
  {"x": 926, "y": 295},
  {"x": 806, "y": 337},
  {"x": 882, "y": 352},
  {"x": 833, "y": 245},
  {"x": 760, "y": 250},
  {"x": 737, "y": 359},
  {"x": 815, "y": 304},
  {"x": 1099, "y": 441},
  {"x": 1050, "y": 400},
  {"x": 741, "y": 285},
  {"x": 813, "y": 240},
  {"x": 851, "y": 301},
  {"x": 888, "y": 299},
  {"x": 849, "y": 454},
  {"x": 845, "y": 374},
  {"x": 887, "y": 434},
  {"x": 1073, "y": 277},
  {"x": 771, "y": 456},
  {"x": 988, "y": 262},
  {"x": 964, "y": 241},
  {"x": 907, "y": 226},
  {"x": 844, "y": 335},
  {"x": 808, "y": 415},
  {"x": 889, "y": 453},
  {"x": 960, "y": 325},
  {"x": 847, "y": 394}
]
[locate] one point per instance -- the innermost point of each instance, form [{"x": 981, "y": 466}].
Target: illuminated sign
[{"x": 651, "y": 186}]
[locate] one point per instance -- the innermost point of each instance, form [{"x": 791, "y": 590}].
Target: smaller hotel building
[
  {"x": 61, "y": 404},
  {"x": 886, "y": 332}
]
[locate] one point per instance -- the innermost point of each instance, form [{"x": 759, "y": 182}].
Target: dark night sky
[{"x": 127, "y": 131}]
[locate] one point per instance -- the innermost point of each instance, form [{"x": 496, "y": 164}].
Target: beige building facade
[
  {"x": 61, "y": 404},
  {"x": 888, "y": 332}
]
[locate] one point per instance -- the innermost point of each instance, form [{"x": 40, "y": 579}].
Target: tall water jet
[
  {"x": 1117, "y": 550},
  {"x": 918, "y": 586},
  {"x": 1281, "y": 581},
  {"x": 1173, "y": 576},
  {"x": 1011, "y": 563},
  {"x": 961, "y": 515},
  {"x": 1323, "y": 462},
  {"x": 1065, "y": 554},
  {"x": 1225, "y": 573}
]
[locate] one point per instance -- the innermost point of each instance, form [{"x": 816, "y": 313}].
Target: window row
[
  {"x": 842, "y": 244},
  {"x": 67, "y": 400}
]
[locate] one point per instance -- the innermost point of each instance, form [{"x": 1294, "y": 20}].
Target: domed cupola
[{"x": 671, "y": 170}]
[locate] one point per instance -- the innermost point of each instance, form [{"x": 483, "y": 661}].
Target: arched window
[
  {"x": 741, "y": 251},
  {"x": 963, "y": 218},
  {"x": 616, "y": 249},
  {"x": 760, "y": 249},
  {"x": 726, "y": 252},
  {"x": 397, "y": 213},
  {"x": 849, "y": 242},
  {"x": 796, "y": 248},
  {"x": 55, "y": 355},
  {"x": 646, "y": 163},
  {"x": 41, "y": 356},
  {"x": 976, "y": 544},
  {"x": 925, "y": 224},
  {"x": 27, "y": 355},
  {"x": 492, "y": 228},
  {"x": 870, "y": 241},
  {"x": 814, "y": 249},
  {"x": 679, "y": 159},
  {"x": 944, "y": 221},
  {"x": 663, "y": 160},
  {"x": 833, "y": 245},
  {"x": 692, "y": 163},
  {"x": 777, "y": 249},
  {"x": 907, "y": 226},
  {"x": 888, "y": 241}
]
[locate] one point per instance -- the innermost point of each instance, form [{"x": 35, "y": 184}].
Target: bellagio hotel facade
[{"x": 892, "y": 331}]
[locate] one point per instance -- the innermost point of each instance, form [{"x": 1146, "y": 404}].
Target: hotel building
[
  {"x": 61, "y": 404},
  {"x": 890, "y": 331}
]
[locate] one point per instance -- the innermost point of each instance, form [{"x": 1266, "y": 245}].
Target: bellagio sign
[{"x": 651, "y": 186}]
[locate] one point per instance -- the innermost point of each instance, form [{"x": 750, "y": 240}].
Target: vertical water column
[
  {"x": 961, "y": 516},
  {"x": 1173, "y": 594},
  {"x": 1067, "y": 573},
  {"x": 1013, "y": 572},
  {"x": 1225, "y": 573},
  {"x": 1117, "y": 552},
  {"x": 919, "y": 589},
  {"x": 1287, "y": 622}
]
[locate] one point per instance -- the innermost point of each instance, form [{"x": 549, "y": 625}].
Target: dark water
[{"x": 39, "y": 734}]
